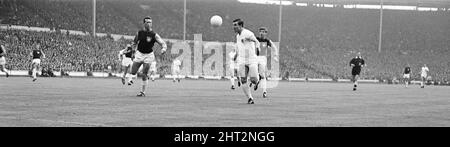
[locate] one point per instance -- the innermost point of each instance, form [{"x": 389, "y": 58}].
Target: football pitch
[{"x": 84, "y": 102}]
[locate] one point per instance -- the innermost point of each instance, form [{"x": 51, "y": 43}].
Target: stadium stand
[{"x": 316, "y": 42}]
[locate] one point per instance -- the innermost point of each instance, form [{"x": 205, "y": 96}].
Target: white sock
[
  {"x": 263, "y": 83},
  {"x": 129, "y": 77},
  {"x": 144, "y": 84},
  {"x": 247, "y": 91},
  {"x": 232, "y": 81},
  {"x": 5, "y": 70},
  {"x": 33, "y": 73}
]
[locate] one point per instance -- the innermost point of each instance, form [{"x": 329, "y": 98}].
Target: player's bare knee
[
  {"x": 144, "y": 77},
  {"x": 243, "y": 80},
  {"x": 254, "y": 80},
  {"x": 262, "y": 76}
]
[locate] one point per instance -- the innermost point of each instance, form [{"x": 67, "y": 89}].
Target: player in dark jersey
[
  {"x": 407, "y": 75},
  {"x": 145, "y": 40},
  {"x": 266, "y": 44},
  {"x": 36, "y": 55},
  {"x": 125, "y": 56},
  {"x": 3, "y": 60},
  {"x": 356, "y": 63}
]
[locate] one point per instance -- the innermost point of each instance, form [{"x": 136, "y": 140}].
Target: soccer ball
[{"x": 216, "y": 21}]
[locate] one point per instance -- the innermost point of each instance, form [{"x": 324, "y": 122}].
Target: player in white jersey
[
  {"x": 176, "y": 70},
  {"x": 424, "y": 75},
  {"x": 125, "y": 56},
  {"x": 233, "y": 69},
  {"x": 153, "y": 70},
  {"x": 3, "y": 60},
  {"x": 246, "y": 46}
]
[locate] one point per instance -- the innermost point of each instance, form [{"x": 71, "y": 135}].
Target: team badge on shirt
[{"x": 149, "y": 39}]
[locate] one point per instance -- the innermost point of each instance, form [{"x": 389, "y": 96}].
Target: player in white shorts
[
  {"x": 424, "y": 75},
  {"x": 246, "y": 46},
  {"x": 125, "y": 56},
  {"x": 36, "y": 55},
  {"x": 145, "y": 40},
  {"x": 153, "y": 70},
  {"x": 3, "y": 60},
  {"x": 233, "y": 69},
  {"x": 176, "y": 70},
  {"x": 266, "y": 44}
]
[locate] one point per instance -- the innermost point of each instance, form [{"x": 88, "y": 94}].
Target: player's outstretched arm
[
  {"x": 363, "y": 64},
  {"x": 252, "y": 37},
  {"x": 162, "y": 43},
  {"x": 274, "y": 48},
  {"x": 120, "y": 55},
  {"x": 236, "y": 53},
  {"x": 43, "y": 55},
  {"x": 4, "y": 50},
  {"x": 135, "y": 40}
]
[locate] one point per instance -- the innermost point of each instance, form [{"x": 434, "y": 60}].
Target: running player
[
  {"x": 36, "y": 54},
  {"x": 246, "y": 45},
  {"x": 176, "y": 70},
  {"x": 356, "y": 63},
  {"x": 233, "y": 69},
  {"x": 266, "y": 43},
  {"x": 3, "y": 60},
  {"x": 424, "y": 75},
  {"x": 125, "y": 56},
  {"x": 145, "y": 40},
  {"x": 407, "y": 75}
]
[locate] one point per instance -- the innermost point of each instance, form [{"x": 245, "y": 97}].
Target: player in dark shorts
[
  {"x": 3, "y": 60},
  {"x": 36, "y": 54},
  {"x": 145, "y": 40},
  {"x": 356, "y": 63}
]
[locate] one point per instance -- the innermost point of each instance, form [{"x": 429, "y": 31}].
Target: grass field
[{"x": 203, "y": 103}]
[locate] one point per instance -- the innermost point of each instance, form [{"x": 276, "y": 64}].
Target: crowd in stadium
[
  {"x": 317, "y": 45},
  {"x": 66, "y": 52}
]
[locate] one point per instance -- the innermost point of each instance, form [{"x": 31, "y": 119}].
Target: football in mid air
[{"x": 216, "y": 21}]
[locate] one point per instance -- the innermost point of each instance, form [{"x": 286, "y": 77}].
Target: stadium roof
[{"x": 436, "y": 3}]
